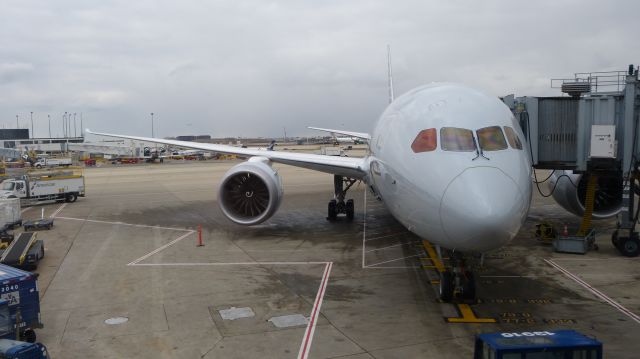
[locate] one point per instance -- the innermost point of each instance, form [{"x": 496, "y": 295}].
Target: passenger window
[
  {"x": 512, "y": 137},
  {"x": 19, "y": 186},
  {"x": 456, "y": 139},
  {"x": 491, "y": 139},
  {"x": 425, "y": 141}
]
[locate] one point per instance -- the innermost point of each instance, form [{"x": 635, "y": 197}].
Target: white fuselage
[{"x": 453, "y": 198}]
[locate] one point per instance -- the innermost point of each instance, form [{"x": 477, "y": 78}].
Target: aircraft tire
[
  {"x": 629, "y": 247},
  {"x": 332, "y": 211},
  {"x": 446, "y": 286},
  {"x": 469, "y": 286},
  {"x": 350, "y": 209}
]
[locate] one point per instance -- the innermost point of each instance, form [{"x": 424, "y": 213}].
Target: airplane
[{"x": 447, "y": 161}]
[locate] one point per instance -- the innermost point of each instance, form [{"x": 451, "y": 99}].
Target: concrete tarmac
[{"x": 129, "y": 249}]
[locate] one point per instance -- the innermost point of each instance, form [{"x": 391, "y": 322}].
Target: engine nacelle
[
  {"x": 570, "y": 190},
  {"x": 251, "y": 192}
]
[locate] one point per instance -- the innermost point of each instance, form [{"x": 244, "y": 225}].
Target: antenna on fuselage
[{"x": 390, "y": 74}]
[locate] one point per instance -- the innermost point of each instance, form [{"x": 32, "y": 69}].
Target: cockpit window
[
  {"x": 512, "y": 137},
  {"x": 425, "y": 141},
  {"x": 456, "y": 139},
  {"x": 491, "y": 139}
]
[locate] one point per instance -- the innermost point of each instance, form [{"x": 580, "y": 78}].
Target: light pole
[
  {"x": 49, "y": 117},
  {"x": 17, "y": 125},
  {"x": 64, "y": 124},
  {"x": 81, "y": 126},
  {"x": 152, "y": 132},
  {"x": 32, "y": 133},
  {"x": 75, "y": 125}
]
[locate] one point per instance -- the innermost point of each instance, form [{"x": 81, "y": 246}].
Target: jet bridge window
[
  {"x": 491, "y": 139},
  {"x": 425, "y": 141},
  {"x": 457, "y": 139},
  {"x": 512, "y": 137}
]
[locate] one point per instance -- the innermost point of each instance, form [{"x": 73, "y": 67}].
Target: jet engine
[
  {"x": 570, "y": 190},
  {"x": 251, "y": 192}
]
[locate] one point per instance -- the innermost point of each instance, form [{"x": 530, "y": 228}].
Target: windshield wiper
[{"x": 479, "y": 151}]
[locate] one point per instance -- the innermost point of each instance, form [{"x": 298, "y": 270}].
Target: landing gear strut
[
  {"x": 457, "y": 282},
  {"x": 338, "y": 205}
]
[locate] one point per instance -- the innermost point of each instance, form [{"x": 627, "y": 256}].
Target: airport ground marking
[
  {"x": 594, "y": 291},
  {"x": 305, "y": 346},
  {"x": 123, "y": 224},
  {"x": 364, "y": 229},
  {"x": 58, "y": 210},
  {"x": 467, "y": 316}
]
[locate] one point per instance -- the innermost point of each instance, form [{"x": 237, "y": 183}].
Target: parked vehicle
[
  {"x": 539, "y": 344},
  {"x": 52, "y": 162},
  {"x": 44, "y": 187},
  {"x": 20, "y": 290}
]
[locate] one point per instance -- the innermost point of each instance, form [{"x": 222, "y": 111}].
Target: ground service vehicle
[
  {"x": 24, "y": 252},
  {"x": 52, "y": 162},
  {"x": 44, "y": 187},
  {"x": 10, "y": 215},
  {"x": 20, "y": 290},
  {"x": 11, "y": 348},
  {"x": 557, "y": 344}
]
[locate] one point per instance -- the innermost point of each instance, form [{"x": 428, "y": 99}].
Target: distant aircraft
[{"x": 447, "y": 161}]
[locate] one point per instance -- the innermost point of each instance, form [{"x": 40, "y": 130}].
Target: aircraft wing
[
  {"x": 362, "y": 135},
  {"x": 345, "y": 166}
]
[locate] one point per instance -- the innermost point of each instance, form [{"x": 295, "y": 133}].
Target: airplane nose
[{"x": 482, "y": 209}]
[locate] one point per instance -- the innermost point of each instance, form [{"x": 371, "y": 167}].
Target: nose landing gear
[
  {"x": 338, "y": 205},
  {"x": 457, "y": 282}
]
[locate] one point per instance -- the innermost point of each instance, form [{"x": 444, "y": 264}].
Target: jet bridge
[{"x": 591, "y": 130}]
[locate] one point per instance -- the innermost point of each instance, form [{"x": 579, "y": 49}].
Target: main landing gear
[
  {"x": 338, "y": 205},
  {"x": 458, "y": 281},
  {"x": 628, "y": 246}
]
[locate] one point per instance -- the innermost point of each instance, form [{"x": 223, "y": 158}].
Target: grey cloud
[{"x": 252, "y": 67}]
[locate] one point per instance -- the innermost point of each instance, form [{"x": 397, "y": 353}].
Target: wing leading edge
[{"x": 345, "y": 166}]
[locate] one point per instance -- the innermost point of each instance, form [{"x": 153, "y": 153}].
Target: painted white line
[
  {"x": 162, "y": 248},
  {"x": 385, "y": 236},
  {"x": 124, "y": 224},
  {"x": 58, "y": 210},
  {"x": 364, "y": 229},
  {"x": 222, "y": 264},
  {"x": 305, "y": 346},
  {"x": 391, "y": 246},
  {"x": 392, "y": 267},
  {"x": 594, "y": 291},
  {"x": 392, "y": 260}
]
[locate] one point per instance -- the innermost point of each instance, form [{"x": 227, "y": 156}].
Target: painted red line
[
  {"x": 594, "y": 291},
  {"x": 308, "y": 335}
]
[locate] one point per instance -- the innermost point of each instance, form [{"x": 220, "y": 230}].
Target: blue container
[{"x": 20, "y": 291}]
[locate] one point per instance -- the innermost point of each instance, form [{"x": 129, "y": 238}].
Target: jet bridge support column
[{"x": 626, "y": 238}]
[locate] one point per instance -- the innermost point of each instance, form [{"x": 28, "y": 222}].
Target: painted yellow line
[
  {"x": 433, "y": 256},
  {"x": 468, "y": 316}
]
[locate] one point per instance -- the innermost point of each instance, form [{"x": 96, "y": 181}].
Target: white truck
[
  {"x": 62, "y": 186},
  {"x": 52, "y": 162}
]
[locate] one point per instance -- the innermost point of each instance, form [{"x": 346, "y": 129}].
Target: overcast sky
[{"x": 253, "y": 67}]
